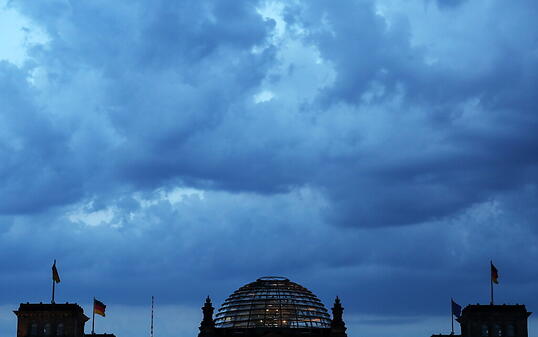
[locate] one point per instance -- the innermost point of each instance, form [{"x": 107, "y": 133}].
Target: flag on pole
[
  {"x": 55, "y": 275},
  {"x": 99, "y": 307},
  {"x": 494, "y": 274},
  {"x": 456, "y": 309}
]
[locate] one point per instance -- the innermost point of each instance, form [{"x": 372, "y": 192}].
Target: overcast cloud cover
[{"x": 383, "y": 151}]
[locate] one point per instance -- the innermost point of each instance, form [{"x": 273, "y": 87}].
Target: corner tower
[
  {"x": 40, "y": 320},
  {"x": 494, "y": 321}
]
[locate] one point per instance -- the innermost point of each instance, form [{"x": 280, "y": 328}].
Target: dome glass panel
[{"x": 272, "y": 302}]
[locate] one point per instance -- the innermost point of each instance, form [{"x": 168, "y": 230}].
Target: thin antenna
[{"x": 151, "y": 328}]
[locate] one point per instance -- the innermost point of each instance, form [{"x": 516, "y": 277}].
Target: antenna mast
[{"x": 151, "y": 328}]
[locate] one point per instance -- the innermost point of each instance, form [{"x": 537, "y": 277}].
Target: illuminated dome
[{"x": 272, "y": 302}]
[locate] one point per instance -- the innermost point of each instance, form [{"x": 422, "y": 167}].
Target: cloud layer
[{"x": 359, "y": 148}]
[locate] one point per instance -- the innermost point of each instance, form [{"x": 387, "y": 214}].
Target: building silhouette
[
  {"x": 493, "y": 321},
  {"x": 270, "y": 307},
  {"x": 52, "y": 320}
]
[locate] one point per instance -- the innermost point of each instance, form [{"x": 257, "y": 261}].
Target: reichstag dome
[{"x": 272, "y": 306}]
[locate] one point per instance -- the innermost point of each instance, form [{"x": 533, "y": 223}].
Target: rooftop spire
[
  {"x": 338, "y": 327},
  {"x": 207, "y": 309}
]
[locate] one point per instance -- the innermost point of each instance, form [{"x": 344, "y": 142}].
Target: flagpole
[
  {"x": 93, "y": 318},
  {"x": 53, "y": 285},
  {"x": 452, "y": 315},
  {"x": 491, "y": 280}
]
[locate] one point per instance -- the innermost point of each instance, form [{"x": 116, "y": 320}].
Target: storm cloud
[{"x": 357, "y": 147}]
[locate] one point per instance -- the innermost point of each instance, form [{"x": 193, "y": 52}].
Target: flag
[
  {"x": 55, "y": 275},
  {"x": 456, "y": 309},
  {"x": 494, "y": 274},
  {"x": 99, "y": 307}
]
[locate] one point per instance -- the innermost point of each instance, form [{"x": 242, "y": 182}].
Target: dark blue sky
[{"x": 383, "y": 151}]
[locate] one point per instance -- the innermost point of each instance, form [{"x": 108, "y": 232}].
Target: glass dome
[{"x": 274, "y": 302}]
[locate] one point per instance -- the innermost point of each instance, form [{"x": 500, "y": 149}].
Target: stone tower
[
  {"x": 494, "y": 321},
  {"x": 40, "y": 320}
]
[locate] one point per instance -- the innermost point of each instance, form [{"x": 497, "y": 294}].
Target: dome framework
[{"x": 273, "y": 302}]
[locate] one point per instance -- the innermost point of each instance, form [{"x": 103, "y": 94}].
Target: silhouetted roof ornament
[{"x": 207, "y": 309}]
